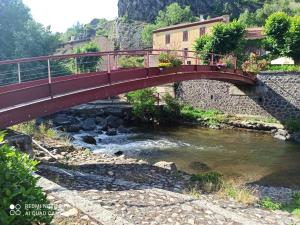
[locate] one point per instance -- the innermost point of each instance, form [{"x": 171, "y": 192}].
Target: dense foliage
[
  {"x": 258, "y": 17},
  {"x": 88, "y": 63},
  {"x": 226, "y": 38},
  {"x": 169, "y": 60},
  {"x": 19, "y": 187},
  {"x": 283, "y": 35},
  {"x": 131, "y": 62},
  {"x": 143, "y": 103},
  {"x": 20, "y": 35},
  {"x": 173, "y": 14}
]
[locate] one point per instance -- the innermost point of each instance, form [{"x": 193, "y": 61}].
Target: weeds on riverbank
[
  {"x": 38, "y": 132},
  {"x": 241, "y": 194},
  {"x": 292, "y": 207},
  {"x": 214, "y": 182}
]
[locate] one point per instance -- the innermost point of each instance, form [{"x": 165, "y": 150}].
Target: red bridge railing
[{"x": 28, "y": 69}]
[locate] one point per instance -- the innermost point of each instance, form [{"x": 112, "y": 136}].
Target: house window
[
  {"x": 202, "y": 31},
  {"x": 168, "y": 38},
  {"x": 185, "y": 35},
  {"x": 185, "y": 52}
]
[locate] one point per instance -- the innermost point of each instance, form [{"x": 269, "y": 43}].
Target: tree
[
  {"x": 258, "y": 18},
  {"x": 293, "y": 40},
  {"x": 88, "y": 63},
  {"x": 173, "y": 14},
  {"x": 283, "y": 35},
  {"x": 76, "y": 31},
  {"x": 226, "y": 38},
  {"x": 20, "y": 35}
]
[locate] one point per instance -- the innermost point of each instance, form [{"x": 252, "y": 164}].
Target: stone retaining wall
[{"x": 276, "y": 94}]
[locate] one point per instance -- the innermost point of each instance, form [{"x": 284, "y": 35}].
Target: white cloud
[{"x": 62, "y": 14}]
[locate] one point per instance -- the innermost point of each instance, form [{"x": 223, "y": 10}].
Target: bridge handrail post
[
  {"x": 108, "y": 63},
  {"x": 212, "y": 59},
  {"x": 49, "y": 72},
  {"x": 19, "y": 73},
  {"x": 76, "y": 65}
]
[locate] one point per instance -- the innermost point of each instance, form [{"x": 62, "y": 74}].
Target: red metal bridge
[{"x": 39, "y": 86}]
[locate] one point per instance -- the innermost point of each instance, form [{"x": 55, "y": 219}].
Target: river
[{"x": 240, "y": 155}]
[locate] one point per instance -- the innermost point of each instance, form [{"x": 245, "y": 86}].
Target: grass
[
  {"x": 292, "y": 207},
  {"x": 240, "y": 194},
  {"x": 212, "y": 116},
  {"x": 284, "y": 68},
  {"x": 38, "y": 132}
]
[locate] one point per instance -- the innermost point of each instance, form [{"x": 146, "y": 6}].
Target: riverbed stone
[
  {"x": 88, "y": 124},
  {"x": 111, "y": 132},
  {"x": 73, "y": 128},
  {"x": 282, "y": 135},
  {"x": 113, "y": 121},
  {"x": 166, "y": 165},
  {"x": 61, "y": 119},
  {"x": 71, "y": 212},
  {"x": 20, "y": 141},
  {"x": 89, "y": 140},
  {"x": 123, "y": 130}
]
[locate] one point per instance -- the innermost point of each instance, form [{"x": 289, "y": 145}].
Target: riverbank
[{"x": 126, "y": 181}]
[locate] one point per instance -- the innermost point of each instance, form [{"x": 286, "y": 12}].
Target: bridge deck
[{"x": 24, "y": 101}]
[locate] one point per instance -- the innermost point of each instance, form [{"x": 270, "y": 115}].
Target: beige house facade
[{"x": 183, "y": 36}]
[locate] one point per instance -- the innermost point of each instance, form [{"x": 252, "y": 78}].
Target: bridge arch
[{"x": 23, "y": 101}]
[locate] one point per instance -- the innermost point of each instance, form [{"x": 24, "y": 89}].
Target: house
[{"x": 183, "y": 36}]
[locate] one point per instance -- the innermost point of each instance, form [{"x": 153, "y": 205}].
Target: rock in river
[
  {"x": 111, "y": 132},
  {"x": 89, "y": 140},
  {"x": 166, "y": 165},
  {"x": 88, "y": 124}
]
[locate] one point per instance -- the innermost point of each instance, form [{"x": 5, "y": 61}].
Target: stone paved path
[{"x": 124, "y": 202}]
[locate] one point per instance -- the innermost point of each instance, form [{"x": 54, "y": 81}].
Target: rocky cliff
[{"x": 147, "y": 10}]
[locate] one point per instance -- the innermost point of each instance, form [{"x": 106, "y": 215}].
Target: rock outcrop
[{"x": 145, "y": 10}]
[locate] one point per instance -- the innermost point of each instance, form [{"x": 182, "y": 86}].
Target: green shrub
[
  {"x": 293, "y": 206},
  {"x": 172, "y": 106},
  {"x": 169, "y": 60},
  {"x": 293, "y": 124},
  {"x": 131, "y": 61},
  {"x": 207, "y": 182},
  {"x": 143, "y": 104},
  {"x": 268, "y": 203},
  {"x": 209, "y": 177},
  {"x": 18, "y": 187}
]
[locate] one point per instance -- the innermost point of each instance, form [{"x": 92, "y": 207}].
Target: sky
[{"x": 62, "y": 14}]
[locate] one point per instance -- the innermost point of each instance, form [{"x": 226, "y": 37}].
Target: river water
[{"x": 239, "y": 155}]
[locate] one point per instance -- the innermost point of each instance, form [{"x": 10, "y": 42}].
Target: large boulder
[
  {"x": 88, "y": 124},
  {"x": 171, "y": 166},
  {"x": 73, "y": 128},
  {"x": 89, "y": 140},
  {"x": 112, "y": 121},
  {"x": 20, "y": 141},
  {"x": 61, "y": 120}
]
